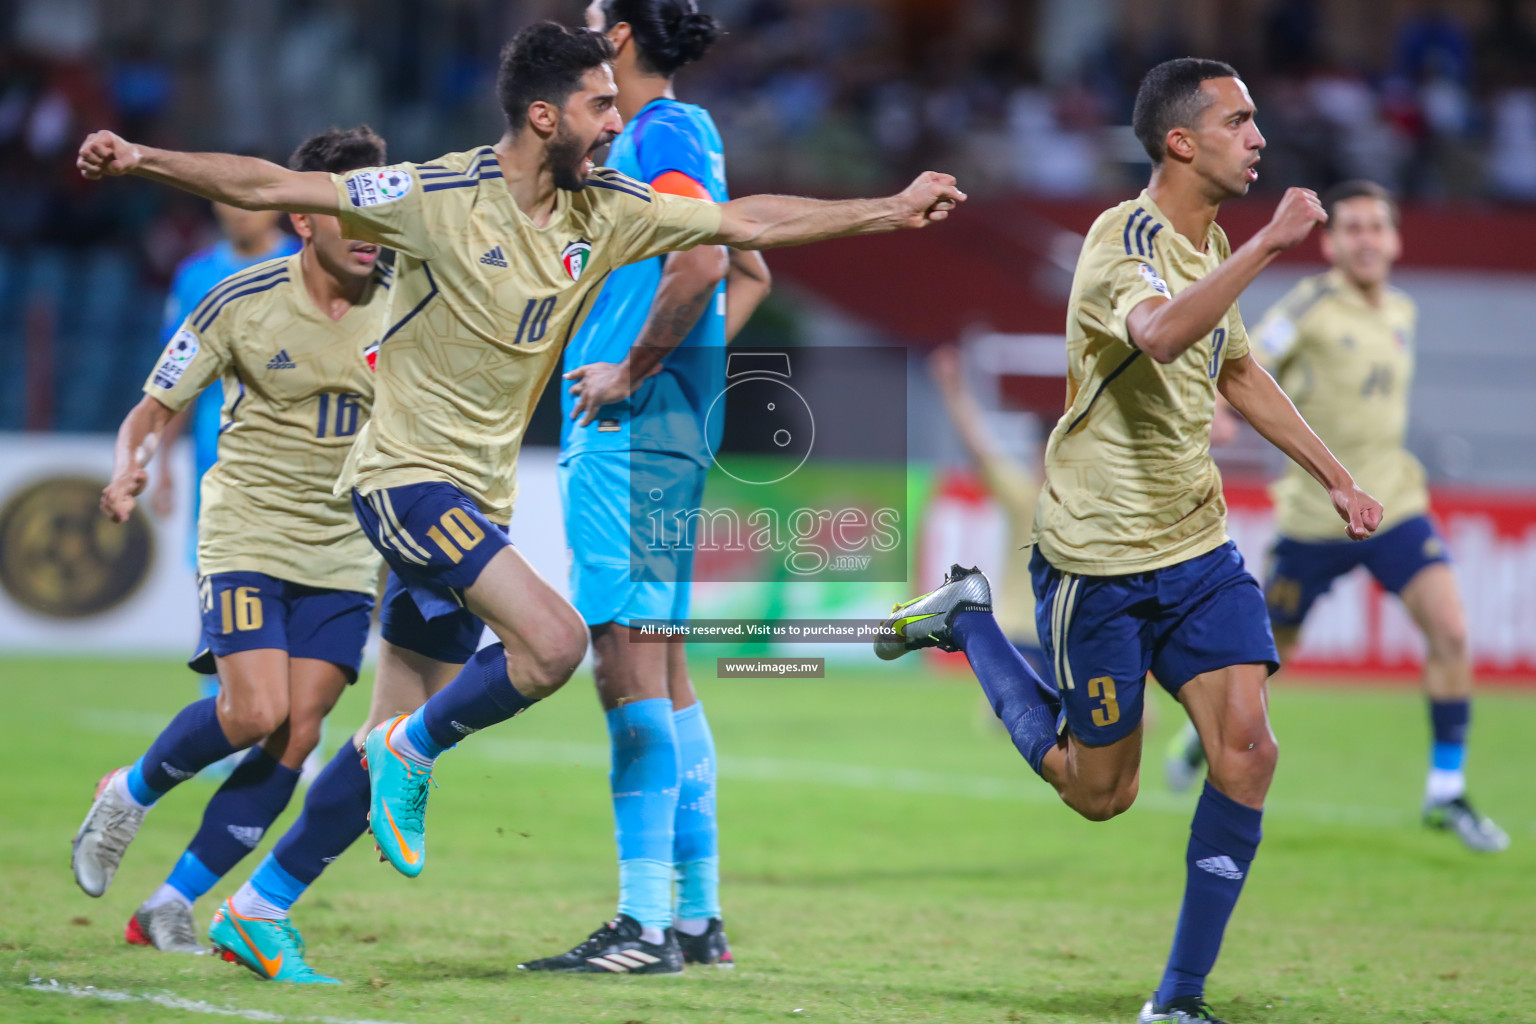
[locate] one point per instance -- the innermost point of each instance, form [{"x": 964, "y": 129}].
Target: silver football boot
[
  {"x": 1476, "y": 831},
  {"x": 105, "y": 834},
  {"x": 926, "y": 621},
  {"x": 168, "y": 927}
]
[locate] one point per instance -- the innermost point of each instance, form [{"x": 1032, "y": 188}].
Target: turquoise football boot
[
  {"x": 399, "y": 801},
  {"x": 273, "y": 950}
]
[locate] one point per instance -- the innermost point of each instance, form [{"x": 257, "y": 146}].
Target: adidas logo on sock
[
  {"x": 461, "y": 728},
  {"x": 178, "y": 774},
  {"x": 247, "y": 835},
  {"x": 494, "y": 258},
  {"x": 1223, "y": 866},
  {"x": 281, "y": 361}
]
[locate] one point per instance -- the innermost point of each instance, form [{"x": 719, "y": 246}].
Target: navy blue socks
[
  {"x": 192, "y": 742},
  {"x": 1222, "y": 842},
  {"x": 481, "y": 695},
  {"x": 1026, "y": 704},
  {"x": 234, "y": 821},
  {"x": 1449, "y": 721},
  {"x": 335, "y": 814}
]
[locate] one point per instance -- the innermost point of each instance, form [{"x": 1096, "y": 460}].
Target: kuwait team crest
[{"x": 575, "y": 257}]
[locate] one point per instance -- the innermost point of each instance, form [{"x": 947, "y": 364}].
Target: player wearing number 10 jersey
[
  {"x": 286, "y": 578},
  {"x": 502, "y": 249}
]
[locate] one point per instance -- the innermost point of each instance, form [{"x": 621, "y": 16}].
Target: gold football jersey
[
  {"x": 297, "y": 388},
  {"x": 1015, "y": 491},
  {"x": 1130, "y": 485},
  {"x": 1347, "y": 365},
  {"x": 485, "y": 303}
]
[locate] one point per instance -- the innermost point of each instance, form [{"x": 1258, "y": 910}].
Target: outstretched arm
[
  {"x": 1165, "y": 328},
  {"x": 1253, "y": 392},
  {"x": 243, "y": 181},
  {"x": 764, "y": 222},
  {"x": 747, "y": 284},
  {"x": 137, "y": 440}
]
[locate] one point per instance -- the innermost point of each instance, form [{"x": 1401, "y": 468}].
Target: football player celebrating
[
  {"x": 286, "y": 578},
  {"x": 501, "y": 250},
  {"x": 1133, "y": 568}
]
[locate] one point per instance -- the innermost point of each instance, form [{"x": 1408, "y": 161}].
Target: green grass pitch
[{"x": 886, "y": 857}]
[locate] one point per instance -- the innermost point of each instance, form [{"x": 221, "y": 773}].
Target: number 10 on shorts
[{"x": 455, "y": 534}]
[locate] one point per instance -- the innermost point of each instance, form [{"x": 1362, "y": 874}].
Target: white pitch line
[{"x": 175, "y": 1002}]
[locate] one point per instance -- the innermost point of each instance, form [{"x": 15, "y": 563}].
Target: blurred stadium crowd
[{"x": 1434, "y": 98}]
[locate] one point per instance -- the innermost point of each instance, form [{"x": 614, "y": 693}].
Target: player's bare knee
[
  {"x": 246, "y": 722},
  {"x": 1245, "y": 760},
  {"x": 1447, "y": 641},
  {"x": 1103, "y": 804}
]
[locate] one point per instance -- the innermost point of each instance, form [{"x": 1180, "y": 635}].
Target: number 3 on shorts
[
  {"x": 1102, "y": 688},
  {"x": 464, "y": 531}
]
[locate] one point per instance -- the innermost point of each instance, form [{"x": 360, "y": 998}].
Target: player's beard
[{"x": 565, "y": 154}]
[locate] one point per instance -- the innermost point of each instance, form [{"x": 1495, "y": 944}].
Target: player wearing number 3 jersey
[
  {"x": 1133, "y": 569},
  {"x": 286, "y": 578}
]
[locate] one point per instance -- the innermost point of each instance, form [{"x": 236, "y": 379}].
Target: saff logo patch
[
  {"x": 179, "y": 352},
  {"x": 384, "y": 185},
  {"x": 575, "y": 258},
  {"x": 1158, "y": 284}
]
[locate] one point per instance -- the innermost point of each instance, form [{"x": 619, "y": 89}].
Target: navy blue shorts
[
  {"x": 1103, "y": 634},
  {"x": 1301, "y": 571},
  {"x": 436, "y": 542},
  {"x": 247, "y": 611}
]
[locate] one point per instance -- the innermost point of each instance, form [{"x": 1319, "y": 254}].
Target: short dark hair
[
  {"x": 544, "y": 63},
  {"x": 1170, "y": 97},
  {"x": 339, "y": 150},
  {"x": 668, "y": 33},
  {"x": 1357, "y": 188}
]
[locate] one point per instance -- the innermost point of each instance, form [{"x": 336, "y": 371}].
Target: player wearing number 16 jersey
[
  {"x": 503, "y": 248},
  {"x": 286, "y": 578}
]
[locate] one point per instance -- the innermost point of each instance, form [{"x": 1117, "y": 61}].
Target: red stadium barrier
[{"x": 1357, "y": 629}]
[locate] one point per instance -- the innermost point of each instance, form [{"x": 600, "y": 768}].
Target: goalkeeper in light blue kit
[{"x": 640, "y": 377}]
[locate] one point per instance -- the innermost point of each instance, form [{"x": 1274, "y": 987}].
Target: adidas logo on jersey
[
  {"x": 494, "y": 258},
  {"x": 281, "y": 361},
  {"x": 247, "y": 835},
  {"x": 1223, "y": 866}
]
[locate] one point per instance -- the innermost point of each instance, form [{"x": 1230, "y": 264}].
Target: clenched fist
[
  {"x": 106, "y": 155},
  {"x": 1300, "y": 210},
  {"x": 930, "y": 197}
]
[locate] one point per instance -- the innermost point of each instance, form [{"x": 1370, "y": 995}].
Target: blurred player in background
[
  {"x": 1015, "y": 489},
  {"x": 286, "y": 578},
  {"x": 1341, "y": 345},
  {"x": 1133, "y": 568},
  {"x": 250, "y": 237},
  {"x": 644, "y": 370},
  {"x": 501, "y": 250}
]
